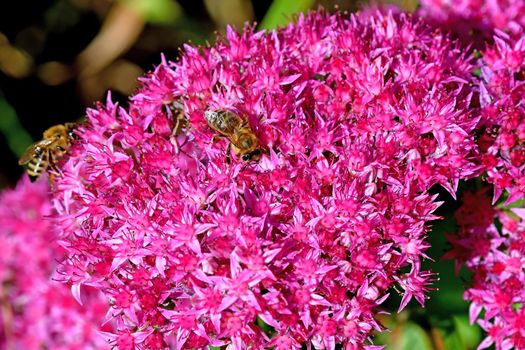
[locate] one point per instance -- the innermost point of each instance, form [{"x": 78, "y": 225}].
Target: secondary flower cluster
[
  {"x": 37, "y": 312},
  {"x": 475, "y": 21},
  {"x": 358, "y": 117},
  {"x": 496, "y": 257},
  {"x": 502, "y": 126}
]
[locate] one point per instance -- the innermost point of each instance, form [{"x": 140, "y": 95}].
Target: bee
[
  {"x": 45, "y": 153},
  {"x": 237, "y": 130}
]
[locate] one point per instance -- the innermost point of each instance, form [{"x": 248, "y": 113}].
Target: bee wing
[
  {"x": 31, "y": 151},
  {"x": 211, "y": 118},
  {"x": 222, "y": 121}
]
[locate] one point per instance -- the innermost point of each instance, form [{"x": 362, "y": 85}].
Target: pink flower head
[
  {"x": 38, "y": 312},
  {"x": 475, "y": 21},
  {"x": 502, "y": 123},
  {"x": 357, "y": 118},
  {"x": 496, "y": 257}
]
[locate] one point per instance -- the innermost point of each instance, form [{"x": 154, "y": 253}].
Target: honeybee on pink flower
[
  {"x": 237, "y": 130},
  {"x": 44, "y": 154}
]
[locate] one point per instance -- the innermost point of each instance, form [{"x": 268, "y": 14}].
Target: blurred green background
[{"x": 58, "y": 57}]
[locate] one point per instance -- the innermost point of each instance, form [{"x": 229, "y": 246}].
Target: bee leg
[
  {"x": 228, "y": 153},
  {"x": 52, "y": 166},
  {"x": 179, "y": 124},
  {"x": 216, "y": 138}
]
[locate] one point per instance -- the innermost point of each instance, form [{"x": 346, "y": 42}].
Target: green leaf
[
  {"x": 405, "y": 336},
  {"x": 415, "y": 338},
  {"x": 17, "y": 137},
  {"x": 156, "y": 11},
  {"x": 453, "y": 341},
  {"x": 265, "y": 328},
  {"x": 516, "y": 204},
  {"x": 470, "y": 335},
  {"x": 281, "y": 11}
]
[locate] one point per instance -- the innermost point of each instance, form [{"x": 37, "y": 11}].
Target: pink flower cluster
[
  {"x": 502, "y": 126},
  {"x": 37, "y": 312},
  {"x": 357, "y": 117},
  {"x": 475, "y": 21},
  {"x": 496, "y": 256}
]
